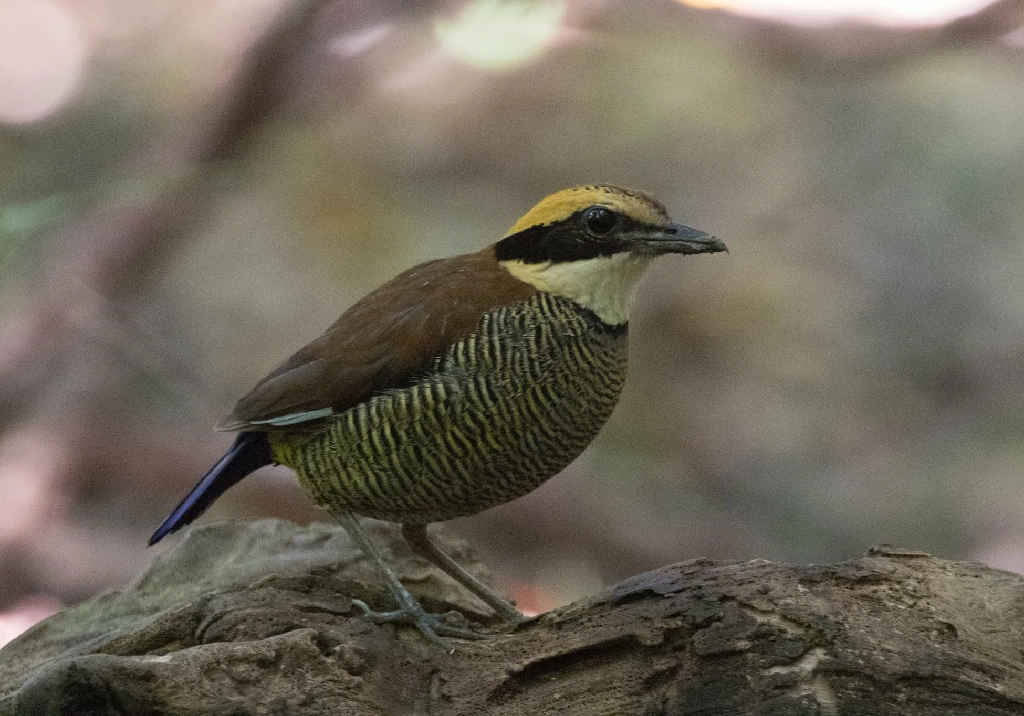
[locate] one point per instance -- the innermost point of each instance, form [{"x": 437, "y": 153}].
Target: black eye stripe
[{"x": 568, "y": 240}]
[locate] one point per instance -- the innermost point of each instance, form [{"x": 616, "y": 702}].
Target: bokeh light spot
[
  {"x": 26, "y": 613},
  {"x": 361, "y": 41},
  {"x": 883, "y": 12},
  {"x": 497, "y": 34},
  {"x": 42, "y": 57}
]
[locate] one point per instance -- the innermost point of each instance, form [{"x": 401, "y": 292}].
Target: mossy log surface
[{"x": 256, "y": 618}]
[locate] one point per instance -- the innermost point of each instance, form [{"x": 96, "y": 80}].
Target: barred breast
[{"x": 494, "y": 416}]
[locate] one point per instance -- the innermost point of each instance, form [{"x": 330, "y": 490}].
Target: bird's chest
[
  {"x": 533, "y": 361},
  {"x": 492, "y": 417}
]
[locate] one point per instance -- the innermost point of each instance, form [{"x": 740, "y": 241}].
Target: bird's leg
[
  {"x": 416, "y": 536},
  {"x": 408, "y": 608}
]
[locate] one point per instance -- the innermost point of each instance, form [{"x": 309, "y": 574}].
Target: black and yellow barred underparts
[{"x": 496, "y": 415}]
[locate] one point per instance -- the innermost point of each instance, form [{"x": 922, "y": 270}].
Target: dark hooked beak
[{"x": 675, "y": 238}]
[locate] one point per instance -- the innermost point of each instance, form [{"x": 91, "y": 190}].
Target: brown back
[{"x": 385, "y": 339}]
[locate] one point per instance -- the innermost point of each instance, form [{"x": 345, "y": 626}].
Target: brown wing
[{"x": 382, "y": 341}]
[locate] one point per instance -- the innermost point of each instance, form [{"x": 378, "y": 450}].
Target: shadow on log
[{"x": 256, "y": 618}]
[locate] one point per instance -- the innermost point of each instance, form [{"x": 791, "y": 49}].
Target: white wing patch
[{"x": 294, "y": 418}]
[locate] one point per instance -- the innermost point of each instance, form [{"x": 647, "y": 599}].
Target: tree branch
[{"x": 252, "y": 617}]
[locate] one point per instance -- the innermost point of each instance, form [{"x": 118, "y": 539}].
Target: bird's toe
[{"x": 433, "y": 626}]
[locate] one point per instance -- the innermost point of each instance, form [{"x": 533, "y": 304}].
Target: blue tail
[{"x": 249, "y": 452}]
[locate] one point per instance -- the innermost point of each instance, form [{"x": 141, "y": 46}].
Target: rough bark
[{"x": 256, "y": 618}]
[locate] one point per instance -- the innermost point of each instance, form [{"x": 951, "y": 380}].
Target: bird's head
[{"x": 592, "y": 244}]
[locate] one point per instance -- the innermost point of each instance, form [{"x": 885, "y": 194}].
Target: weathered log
[{"x": 256, "y": 618}]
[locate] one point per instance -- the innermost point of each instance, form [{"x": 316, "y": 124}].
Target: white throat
[{"x": 604, "y": 285}]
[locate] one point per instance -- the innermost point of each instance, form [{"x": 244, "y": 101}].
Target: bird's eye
[{"x": 599, "y": 220}]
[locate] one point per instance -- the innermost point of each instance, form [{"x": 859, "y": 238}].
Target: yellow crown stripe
[{"x": 563, "y": 204}]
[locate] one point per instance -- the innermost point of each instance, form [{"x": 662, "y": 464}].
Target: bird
[{"x": 459, "y": 385}]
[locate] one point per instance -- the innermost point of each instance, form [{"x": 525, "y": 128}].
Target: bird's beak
[{"x": 675, "y": 238}]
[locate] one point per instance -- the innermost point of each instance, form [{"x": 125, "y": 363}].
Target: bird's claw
[{"x": 433, "y": 626}]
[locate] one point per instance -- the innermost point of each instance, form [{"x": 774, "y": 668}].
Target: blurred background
[{"x": 193, "y": 189}]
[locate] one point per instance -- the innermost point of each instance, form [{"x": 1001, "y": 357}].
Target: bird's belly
[{"x": 460, "y": 441}]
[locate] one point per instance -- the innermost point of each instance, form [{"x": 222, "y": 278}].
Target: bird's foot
[
  {"x": 433, "y": 626},
  {"x": 509, "y": 622}
]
